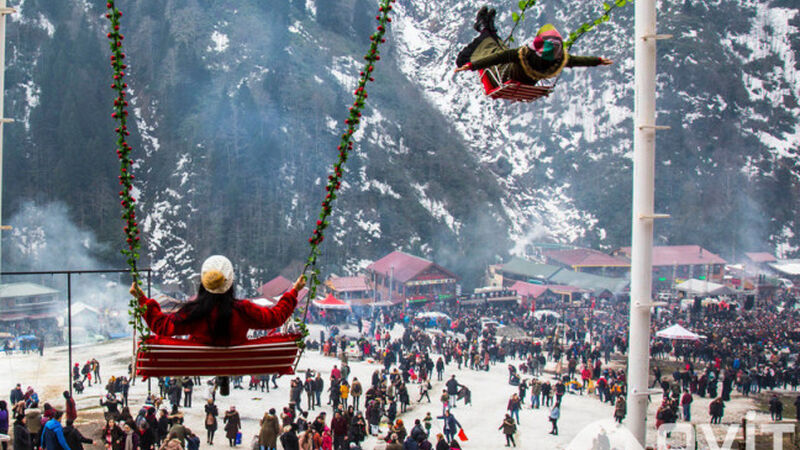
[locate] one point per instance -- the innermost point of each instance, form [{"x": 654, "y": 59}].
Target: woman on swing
[
  {"x": 545, "y": 57},
  {"x": 216, "y": 317}
]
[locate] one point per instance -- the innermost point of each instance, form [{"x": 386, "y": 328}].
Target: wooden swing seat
[
  {"x": 164, "y": 356},
  {"x": 511, "y": 90}
]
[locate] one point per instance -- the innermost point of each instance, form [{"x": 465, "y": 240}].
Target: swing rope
[
  {"x": 126, "y": 177},
  {"x": 344, "y": 148}
]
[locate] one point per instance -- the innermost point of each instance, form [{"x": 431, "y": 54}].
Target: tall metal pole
[
  {"x": 3, "y": 11},
  {"x": 69, "y": 329},
  {"x": 642, "y": 229}
]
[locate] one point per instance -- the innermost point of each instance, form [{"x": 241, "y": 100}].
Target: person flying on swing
[
  {"x": 543, "y": 58},
  {"x": 216, "y": 317}
]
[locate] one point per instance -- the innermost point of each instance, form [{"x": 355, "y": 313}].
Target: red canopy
[{"x": 331, "y": 302}]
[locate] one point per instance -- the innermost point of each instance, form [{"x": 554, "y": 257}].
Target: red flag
[{"x": 462, "y": 435}]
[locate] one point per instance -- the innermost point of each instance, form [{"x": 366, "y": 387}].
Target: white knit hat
[{"x": 217, "y": 274}]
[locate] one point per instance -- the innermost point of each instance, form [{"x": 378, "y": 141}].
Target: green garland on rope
[
  {"x": 344, "y": 148},
  {"x": 519, "y": 17},
  {"x": 605, "y": 17},
  {"x": 123, "y": 150},
  {"x": 523, "y": 5}
]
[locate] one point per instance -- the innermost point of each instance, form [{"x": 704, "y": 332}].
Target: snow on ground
[{"x": 490, "y": 392}]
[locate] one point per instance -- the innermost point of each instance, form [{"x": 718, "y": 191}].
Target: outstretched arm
[
  {"x": 261, "y": 318},
  {"x": 504, "y": 57},
  {"x": 159, "y": 323},
  {"x": 588, "y": 61}
]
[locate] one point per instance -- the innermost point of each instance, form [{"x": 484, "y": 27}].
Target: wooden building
[{"x": 399, "y": 276}]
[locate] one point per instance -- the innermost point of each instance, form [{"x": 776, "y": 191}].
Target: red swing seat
[
  {"x": 165, "y": 356},
  {"x": 511, "y": 90}
]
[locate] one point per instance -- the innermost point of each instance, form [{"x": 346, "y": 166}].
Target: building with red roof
[
  {"x": 353, "y": 290},
  {"x": 399, "y": 276},
  {"x": 275, "y": 287},
  {"x": 589, "y": 261},
  {"x": 681, "y": 262},
  {"x": 760, "y": 257}
]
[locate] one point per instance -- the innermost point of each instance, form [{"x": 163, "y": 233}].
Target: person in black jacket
[
  {"x": 545, "y": 57},
  {"x": 74, "y": 438},
  {"x": 147, "y": 436},
  {"x": 163, "y": 426},
  {"x": 289, "y": 438},
  {"x": 22, "y": 437}
]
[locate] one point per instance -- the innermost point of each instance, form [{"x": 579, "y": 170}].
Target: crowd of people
[{"x": 578, "y": 348}]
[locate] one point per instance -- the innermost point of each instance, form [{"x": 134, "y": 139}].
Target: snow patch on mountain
[
  {"x": 220, "y": 42},
  {"x": 436, "y": 208}
]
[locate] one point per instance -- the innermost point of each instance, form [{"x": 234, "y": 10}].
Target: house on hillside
[
  {"x": 589, "y": 261},
  {"x": 675, "y": 263},
  {"x": 399, "y": 276},
  {"x": 353, "y": 290}
]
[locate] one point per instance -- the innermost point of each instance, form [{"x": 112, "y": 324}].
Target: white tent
[
  {"x": 678, "y": 332},
  {"x": 432, "y": 315},
  {"x": 694, "y": 286},
  {"x": 546, "y": 312}
]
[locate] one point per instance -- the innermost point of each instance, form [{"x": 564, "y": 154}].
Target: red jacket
[{"x": 246, "y": 315}]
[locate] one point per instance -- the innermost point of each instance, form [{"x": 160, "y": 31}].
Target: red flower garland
[
  {"x": 123, "y": 150},
  {"x": 345, "y": 145}
]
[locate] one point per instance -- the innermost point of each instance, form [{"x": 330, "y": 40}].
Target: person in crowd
[
  {"x": 112, "y": 435},
  {"x": 53, "y": 434},
  {"x": 22, "y": 437},
  {"x": 513, "y": 406},
  {"x": 33, "y": 420},
  {"x": 555, "y": 414},
  {"x": 450, "y": 426},
  {"x": 716, "y": 409},
  {"x": 509, "y": 427},
  {"x": 269, "y": 431},
  {"x": 686, "y": 405},
  {"x": 289, "y": 439},
  {"x": 74, "y": 438},
  {"x": 4, "y": 421},
  {"x": 211, "y": 420},
  {"x": 620, "y": 409},
  {"x": 441, "y": 443},
  {"x": 177, "y": 430},
  {"x": 776, "y": 408},
  {"x": 232, "y": 425}
]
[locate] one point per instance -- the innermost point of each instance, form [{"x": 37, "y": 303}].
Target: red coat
[{"x": 246, "y": 315}]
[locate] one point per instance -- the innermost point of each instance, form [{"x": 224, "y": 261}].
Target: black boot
[
  {"x": 481, "y": 18},
  {"x": 224, "y": 384},
  {"x": 489, "y": 21}
]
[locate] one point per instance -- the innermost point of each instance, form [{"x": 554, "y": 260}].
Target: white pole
[
  {"x": 642, "y": 230},
  {"x": 2, "y": 96}
]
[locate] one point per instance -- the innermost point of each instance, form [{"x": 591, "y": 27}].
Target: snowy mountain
[{"x": 238, "y": 106}]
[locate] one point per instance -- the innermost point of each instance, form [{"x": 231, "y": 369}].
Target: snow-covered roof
[
  {"x": 787, "y": 266},
  {"x": 24, "y": 290},
  {"x": 702, "y": 287},
  {"x": 679, "y": 255}
]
